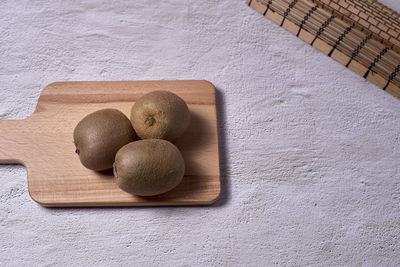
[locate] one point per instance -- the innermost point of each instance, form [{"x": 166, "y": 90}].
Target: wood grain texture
[{"x": 43, "y": 144}]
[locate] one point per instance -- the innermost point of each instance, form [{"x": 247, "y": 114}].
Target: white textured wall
[{"x": 310, "y": 151}]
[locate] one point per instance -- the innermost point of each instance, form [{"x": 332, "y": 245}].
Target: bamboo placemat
[{"x": 362, "y": 35}]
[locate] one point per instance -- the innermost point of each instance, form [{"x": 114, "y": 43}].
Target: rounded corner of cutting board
[
  {"x": 50, "y": 85},
  {"x": 209, "y": 86},
  {"x": 208, "y": 83},
  {"x": 36, "y": 197},
  {"x": 214, "y": 198}
]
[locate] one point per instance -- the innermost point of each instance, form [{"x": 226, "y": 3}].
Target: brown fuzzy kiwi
[
  {"x": 160, "y": 115},
  {"x": 148, "y": 167},
  {"x": 100, "y": 135}
]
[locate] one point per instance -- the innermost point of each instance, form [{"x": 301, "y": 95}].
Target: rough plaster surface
[{"x": 309, "y": 150}]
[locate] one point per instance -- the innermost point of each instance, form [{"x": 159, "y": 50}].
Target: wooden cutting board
[{"x": 43, "y": 143}]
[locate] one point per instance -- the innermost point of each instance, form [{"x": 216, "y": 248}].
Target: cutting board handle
[{"x": 14, "y": 139}]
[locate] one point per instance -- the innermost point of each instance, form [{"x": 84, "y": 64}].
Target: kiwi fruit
[
  {"x": 148, "y": 167},
  {"x": 100, "y": 135},
  {"x": 160, "y": 115}
]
